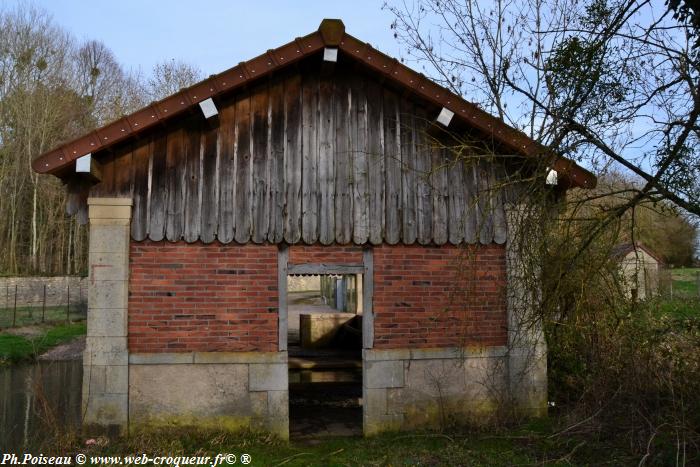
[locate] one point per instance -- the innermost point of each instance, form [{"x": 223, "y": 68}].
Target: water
[{"x": 36, "y": 400}]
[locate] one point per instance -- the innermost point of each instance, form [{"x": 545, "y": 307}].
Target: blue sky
[{"x": 212, "y": 34}]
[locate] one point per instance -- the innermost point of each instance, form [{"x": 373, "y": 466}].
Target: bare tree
[
  {"x": 168, "y": 77},
  {"x": 52, "y": 89},
  {"x": 101, "y": 81},
  {"x": 613, "y": 84}
]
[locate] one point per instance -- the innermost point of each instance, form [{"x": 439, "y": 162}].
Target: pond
[{"x": 37, "y": 401}]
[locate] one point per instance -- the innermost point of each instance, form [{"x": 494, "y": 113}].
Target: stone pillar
[
  {"x": 106, "y": 360},
  {"x": 527, "y": 348}
]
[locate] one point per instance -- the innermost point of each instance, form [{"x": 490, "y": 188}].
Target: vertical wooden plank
[
  {"x": 292, "y": 159},
  {"x": 227, "y": 172},
  {"x": 193, "y": 181},
  {"x": 455, "y": 207},
  {"x": 73, "y": 188},
  {"x": 485, "y": 209},
  {"x": 175, "y": 212},
  {"x": 375, "y": 162},
  {"x": 326, "y": 161},
  {"x": 106, "y": 186},
  {"x": 343, "y": 163},
  {"x": 392, "y": 162},
  {"x": 276, "y": 146},
  {"x": 209, "y": 148},
  {"x": 368, "y": 299},
  {"x": 360, "y": 200},
  {"x": 282, "y": 322},
  {"x": 260, "y": 193},
  {"x": 408, "y": 173},
  {"x": 309, "y": 177},
  {"x": 499, "y": 215},
  {"x": 159, "y": 190},
  {"x": 123, "y": 182},
  {"x": 242, "y": 217},
  {"x": 439, "y": 195},
  {"x": 140, "y": 175},
  {"x": 471, "y": 214},
  {"x": 425, "y": 165}
]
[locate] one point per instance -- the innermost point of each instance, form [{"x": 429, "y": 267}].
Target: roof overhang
[{"x": 331, "y": 33}]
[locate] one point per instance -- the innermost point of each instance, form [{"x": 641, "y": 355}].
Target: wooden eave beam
[{"x": 88, "y": 167}]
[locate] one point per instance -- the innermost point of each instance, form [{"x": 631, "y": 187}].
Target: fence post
[
  {"x": 30, "y": 309},
  {"x": 14, "y": 312},
  {"x": 697, "y": 282},
  {"x": 68, "y": 307},
  {"x": 43, "y": 306}
]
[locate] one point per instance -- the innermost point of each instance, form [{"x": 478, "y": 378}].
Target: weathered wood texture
[{"x": 307, "y": 157}]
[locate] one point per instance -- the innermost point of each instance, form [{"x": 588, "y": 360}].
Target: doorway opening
[{"x": 324, "y": 342}]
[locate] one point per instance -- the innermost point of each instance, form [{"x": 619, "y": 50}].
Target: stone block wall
[
  {"x": 431, "y": 388},
  {"x": 30, "y": 291},
  {"x": 224, "y": 389}
]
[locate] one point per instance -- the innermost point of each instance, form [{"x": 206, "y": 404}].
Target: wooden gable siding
[{"x": 306, "y": 158}]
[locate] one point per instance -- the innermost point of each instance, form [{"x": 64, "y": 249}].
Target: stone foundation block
[
  {"x": 107, "y": 410},
  {"x": 188, "y": 391},
  {"x": 278, "y": 413},
  {"x": 437, "y": 387},
  {"x": 222, "y": 395},
  {"x": 117, "y": 379},
  {"x": 384, "y": 374},
  {"x": 268, "y": 377}
]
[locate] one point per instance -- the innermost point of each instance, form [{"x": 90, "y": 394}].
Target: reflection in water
[{"x": 38, "y": 400}]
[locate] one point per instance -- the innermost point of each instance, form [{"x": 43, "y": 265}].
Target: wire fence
[
  {"x": 683, "y": 283},
  {"x": 41, "y": 301}
]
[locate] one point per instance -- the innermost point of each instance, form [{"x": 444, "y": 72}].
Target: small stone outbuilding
[
  {"x": 640, "y": 268},
  {"x": 323, "y": 156}
]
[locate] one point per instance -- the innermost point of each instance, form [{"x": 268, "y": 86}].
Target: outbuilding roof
[
  {"x": 623, "y": 249},
  {"x": 331, "y": 33}
]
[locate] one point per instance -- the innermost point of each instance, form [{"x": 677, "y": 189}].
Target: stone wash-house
[{"x": 322, "y": 156}]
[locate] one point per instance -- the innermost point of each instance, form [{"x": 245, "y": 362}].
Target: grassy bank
[
  {"x": 685, "y": 281},
  {"x": 16, "y": 347},
  {"x": 535, "y": 444},
  {"x": 27, "y": 315}
]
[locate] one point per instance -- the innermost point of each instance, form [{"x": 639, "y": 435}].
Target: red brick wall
[
  {"x": 196, "y": 297},
  {"x": 439, "y": 296}
]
